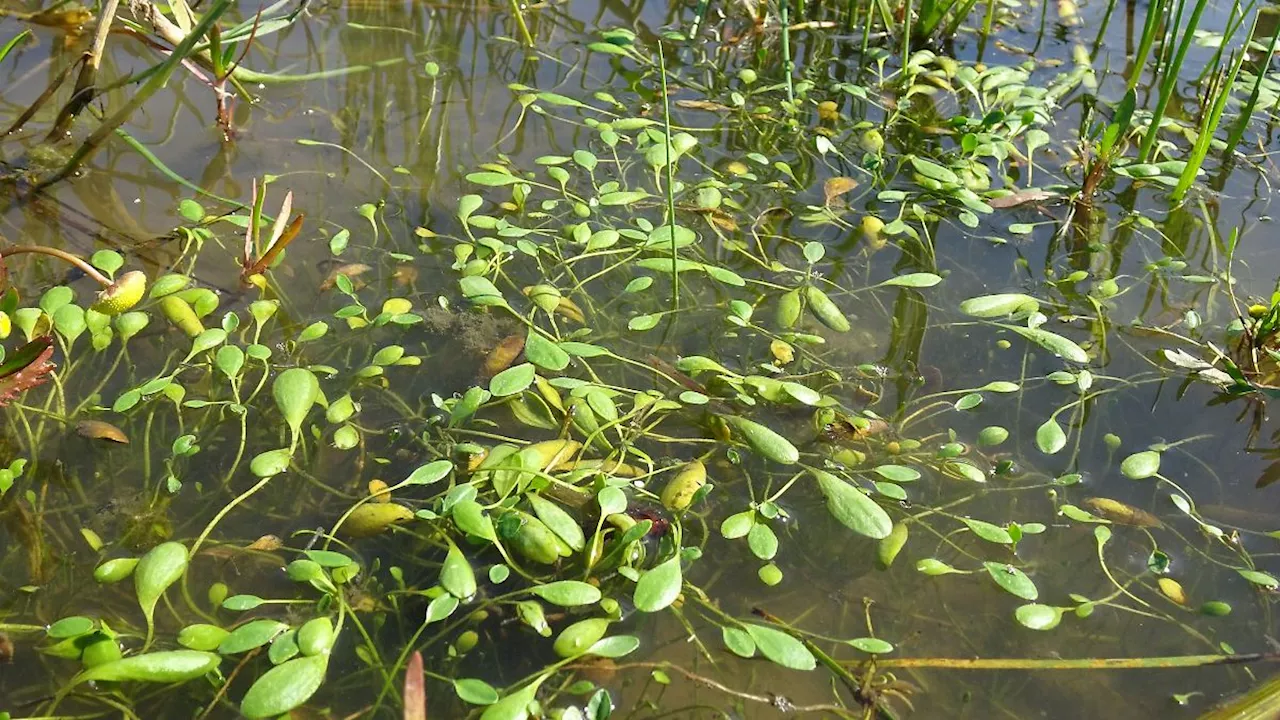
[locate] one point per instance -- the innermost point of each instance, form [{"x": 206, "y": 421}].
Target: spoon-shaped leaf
[
  {"x": 285, "y": 687},
  {"x": 764, "y": 441},
  {"x": 156, "y": 571},
  {"x": 1038, "y": 617},
  {"x": 1141, "y": 465},
  {"x": 1013, "y": 580},
  {"x": 295, "y": 391},
  {"x": 998, "y": 305},
  {"x": 852, "y": 507},
  {"x": 913, "y": 280},
  {"x": 660, "y": 586},
  {"x": 781, "y": 648},
  {"x": 514, "y": 706},
  {"x": 170, "y": 666},
  {"x": 456, "y": 575},
  {"x": 1062, "y": 347},
  {"x": 271, "y": 462},
  {"x": 1050, "y": 437}
]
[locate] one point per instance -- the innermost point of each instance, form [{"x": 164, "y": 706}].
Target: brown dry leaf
[
  {"x": 70, "y": 20},
  {"x": 502, "y": 356},
  {"x": 570, "y": 310},
  {"x": 703, "y": 105},
  {"x": 837, "y": 186},
  {"x": 98, "y": 430},
  {"x": 266, "y": 543},
  {"x": 1020, "y": 197},
  {"x": 844, "y": 430},
  {"x": 351, "y": 270},
  {"x": 1118, "y": 512},
  {"x": 722, "y": 220},
  {"x": 405, "y": 275},
  {"x": 379, "y": 491},
  {"x": 415, "y": 689},
  {"x": 6, "y": 649}
]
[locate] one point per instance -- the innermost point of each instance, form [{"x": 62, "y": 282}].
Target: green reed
[{"x": 1169, "y": 79}]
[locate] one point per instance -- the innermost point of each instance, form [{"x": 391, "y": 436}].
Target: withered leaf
[
  {"x": 570, "y": 310},
  {"x": 351, "y": 270},
  {"x": 1120, "y": 513},
  {"x": 266, "y": 543},
  {"x": 703, "y": 105},
  {"x": 27, "y": 368},
  {"x": 379, "y": 491},
  {"x": 99, "y": 430},
  {"x": 837, "y": 186},
  {"x": 1021, "y": 197},
  {"x": 502, "y": 356}
]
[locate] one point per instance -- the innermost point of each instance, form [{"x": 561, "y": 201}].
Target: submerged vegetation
[{"x": 684, "y": 382}]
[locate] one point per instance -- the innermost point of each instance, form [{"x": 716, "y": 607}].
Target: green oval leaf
[
  {"x": 1038, "y": 617},
  {"x": 659, "y": 586},
  {"x": 253, "y": 634},
  {"x": 852, "y": 507},
  {"x": 271, "y": 462},
  {"x": 764, "y": 441},
  {"x": 998, "y": 305},
  {"x": 875, "y": 646},
  {"x": 780, "y": 647},
  {"x": 475, "y": 691},
  {"x": 1050, "y": 438},
  {"x": 1141, "y": 465},
  {"x": 295, "y": 391},
  {"x": 615, "y": 647},
  {"x": 513, "y": 380},
  {"x": 1013, "y": 580},
  {"x": 456, "y": 575},
  {"x": 568, "y": 593},
  {"x": 913, "y": 280},
  {"x": 514, "y": 706},
  {"x": 170, "y": 666},
  {"x": 155, "y": 572},
  {"x": 897, "y": 473},
  {"x": 285, "y": 687},
  {"x": 1054, "y": 343},
  {"x": 561, "y": 522}
]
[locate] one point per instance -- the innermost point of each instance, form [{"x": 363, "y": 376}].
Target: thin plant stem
[
  {"x": 671, "y": 198},
  {"x": 63, "y": 255},
  {"x": 524, "y": 29},
  {"x": 786, "y": 49}
]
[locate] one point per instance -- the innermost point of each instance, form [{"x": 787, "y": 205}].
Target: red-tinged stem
[{"x": 79, "y": 262}]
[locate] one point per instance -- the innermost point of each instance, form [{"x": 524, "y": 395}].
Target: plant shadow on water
[{"x": 701, "y": 360}]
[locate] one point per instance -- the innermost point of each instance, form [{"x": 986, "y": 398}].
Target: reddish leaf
[
  {"x": 27, "y": 368},
  {"x": 415, "y": 690}
]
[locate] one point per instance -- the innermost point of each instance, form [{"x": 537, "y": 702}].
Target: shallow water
[{"x": 401, "y": 140}]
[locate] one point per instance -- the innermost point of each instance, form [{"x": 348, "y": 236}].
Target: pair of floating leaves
[{"x": 776, "y": 645}]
